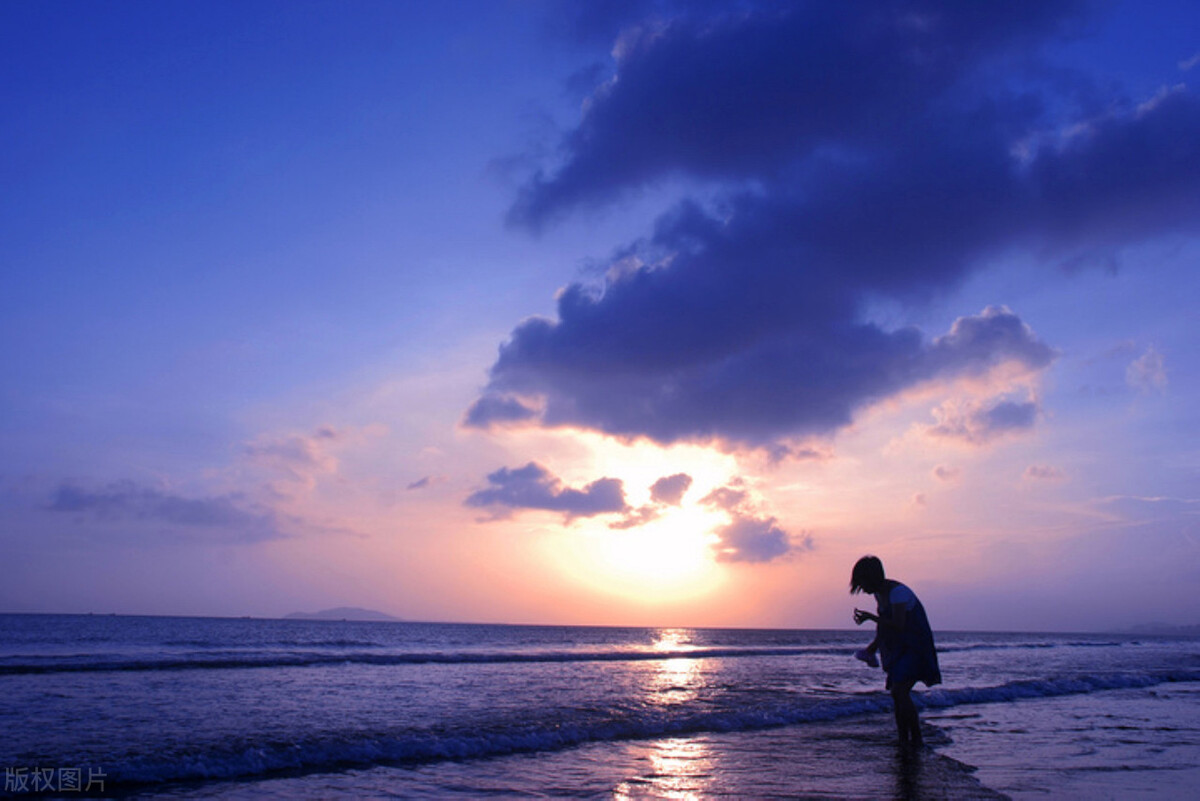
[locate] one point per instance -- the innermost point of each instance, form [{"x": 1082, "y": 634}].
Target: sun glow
[
  {"x": 666, "y": 559},
  {"x": 660, "y": 550}
]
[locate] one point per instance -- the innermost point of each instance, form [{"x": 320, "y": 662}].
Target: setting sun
[{"x": 664, "y": 560}]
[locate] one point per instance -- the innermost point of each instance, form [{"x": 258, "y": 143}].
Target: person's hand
[{"x": 861, "y": 617}]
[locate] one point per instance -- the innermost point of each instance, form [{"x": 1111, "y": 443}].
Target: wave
[
  {"x": 363, "y": 750},
  {"x": 1026, "y": 689},
  {"x": 1033, "y": 646},
  {"x": 231, "y": 660},
  {"x": 290, "y": 643},
  {"x": 209, "y": 661}
]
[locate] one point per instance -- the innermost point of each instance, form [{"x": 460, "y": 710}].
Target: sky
[{"x": 615, "y": 313}]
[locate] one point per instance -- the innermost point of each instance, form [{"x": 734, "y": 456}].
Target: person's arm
[
  {"x": 862, "y": 616},
  {"x": 895, "y": 622}
]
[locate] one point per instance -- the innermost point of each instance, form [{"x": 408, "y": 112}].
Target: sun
[{"x": 669, "y": 558}]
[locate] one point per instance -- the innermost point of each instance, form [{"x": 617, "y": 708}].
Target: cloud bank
[
  {"x": 535, "y": 487},
  {"x": 857, "y": 153}
]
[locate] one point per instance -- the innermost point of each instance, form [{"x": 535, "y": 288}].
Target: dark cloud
[
  {"x": 667, "y": 491},
  {"x": 1010, "y": 416},
  {"x": 980, "y": 424},
  {"x": 751, "y": 540},
  {"x": 1125, "y": 175},
  {"x": 494, "y": 409},
  {"x": 791, "y": 381},
  {"x": 670, "y": 489},
  {"x": 535, "y": 487},
  {"x": 425, "y": 482},
  {"x": 227, "y": 515},
  {"x": 860, "y": 153},
  {"x": 596, "y": 22},
  {"x": 737, "y": 95},
  {"x": 749, "y": 536},
  {"x": 978, "y": 343}
]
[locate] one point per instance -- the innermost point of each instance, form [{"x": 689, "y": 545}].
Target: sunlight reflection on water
[
  {"x": 675, "y": 681},
  {"x": 679, "y": 768}
]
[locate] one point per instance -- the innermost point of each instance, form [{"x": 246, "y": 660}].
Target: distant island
[{"x": 343, "y": 613}]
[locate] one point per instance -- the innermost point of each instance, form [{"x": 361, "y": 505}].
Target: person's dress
[{"x": 909, "y": 655}]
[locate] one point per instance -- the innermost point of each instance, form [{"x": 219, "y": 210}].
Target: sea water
[{"x": 197, "y": 707}]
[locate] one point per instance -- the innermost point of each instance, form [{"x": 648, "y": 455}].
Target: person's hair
[{"x": 868, "y": 572}]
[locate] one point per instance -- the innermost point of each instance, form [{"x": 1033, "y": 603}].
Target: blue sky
[{"x": 413, "y": 306}]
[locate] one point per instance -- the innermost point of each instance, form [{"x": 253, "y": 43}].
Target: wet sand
[
  {"x": 1123, "y": 744},
  {"x": 848, "y": 759}
]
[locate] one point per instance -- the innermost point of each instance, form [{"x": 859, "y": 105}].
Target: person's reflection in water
[
  {"x": 903, "y": 639},
  {"x": 907, "y": 766}
]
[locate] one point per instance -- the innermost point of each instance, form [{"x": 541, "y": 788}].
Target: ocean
[{"x": 160, "y": 707}]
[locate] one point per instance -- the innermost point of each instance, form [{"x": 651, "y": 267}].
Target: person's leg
[
  {"x": 908, "y": 725},
  {"x": 901, "y": 725}
]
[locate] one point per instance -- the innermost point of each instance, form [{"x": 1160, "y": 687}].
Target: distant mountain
[{"x": 342, "y": 613}]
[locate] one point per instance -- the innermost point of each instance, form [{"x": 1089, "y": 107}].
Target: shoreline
[{"x": 857, "y": 759}]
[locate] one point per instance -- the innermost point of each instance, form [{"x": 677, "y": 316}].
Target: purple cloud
[
  {"x": 749, "y": 536},
  {"x": 856, "y": 154},
  {"x": 496, "y": 409},
  {"x": 535, "y": 487},
  {"x": 670, "y": 489},
  {"x": 730, "y": 498},
  {"x": 667, "y": 491},
  {"x": 594, "y": 372},
  {"x": 229, "y": 516},
  {"x": 731, "y": 96},
  {"x": 755, "y": 539},
  {"x": 979, "y": 425},
  {"x": 425, "y": 482}
]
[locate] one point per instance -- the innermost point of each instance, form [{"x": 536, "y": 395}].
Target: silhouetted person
[{"x": 903, "y": 639}]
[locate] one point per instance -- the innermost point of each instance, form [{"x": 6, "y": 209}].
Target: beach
[{"x": 1148, "y": 747}]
